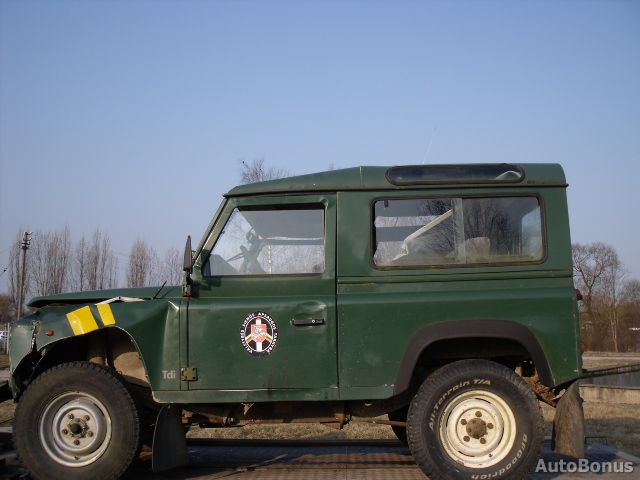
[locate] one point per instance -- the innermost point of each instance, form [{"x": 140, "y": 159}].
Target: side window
[
  {"x": 270, "y": 241},
  {"x": 455, "y": 231}
]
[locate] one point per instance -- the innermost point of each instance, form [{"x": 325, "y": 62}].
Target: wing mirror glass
[{"x": 187, "y": 265}]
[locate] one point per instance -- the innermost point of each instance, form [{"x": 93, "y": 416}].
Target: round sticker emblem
[{"x": 259, "y": 334}]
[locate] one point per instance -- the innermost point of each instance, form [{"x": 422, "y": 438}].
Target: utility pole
[{"x": 24, "y": 246}]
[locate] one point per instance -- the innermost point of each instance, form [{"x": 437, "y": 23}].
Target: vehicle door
[{"x": 264, "y": 316}]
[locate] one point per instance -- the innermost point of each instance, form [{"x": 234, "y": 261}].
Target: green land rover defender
[{"x": 441, "y": 296}]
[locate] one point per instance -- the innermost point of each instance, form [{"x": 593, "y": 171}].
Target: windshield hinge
[{"x": 188, "y": 374}]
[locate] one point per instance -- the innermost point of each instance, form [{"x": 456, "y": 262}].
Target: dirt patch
[
  {"x": 7, "y": 410},
  {"x": 4, "y": 361},
  {"x": 310, "y": 431}
]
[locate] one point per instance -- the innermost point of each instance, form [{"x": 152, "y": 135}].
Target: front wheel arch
[{"x": 115, "y": 342}]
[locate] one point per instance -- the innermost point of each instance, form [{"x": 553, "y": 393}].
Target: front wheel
[
  {"x": 475, "y": 419},
  {"x": 77, "y": 421}
]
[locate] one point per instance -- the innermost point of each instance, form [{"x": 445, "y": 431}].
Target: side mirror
[{"x": 187, "y": 264}]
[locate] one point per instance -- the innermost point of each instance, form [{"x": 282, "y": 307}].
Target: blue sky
[{"x": 133, "y": 116}]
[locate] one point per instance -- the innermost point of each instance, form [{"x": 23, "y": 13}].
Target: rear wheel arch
[{"x": 457, "y": 335}]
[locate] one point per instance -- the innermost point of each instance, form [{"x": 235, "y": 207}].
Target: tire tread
[
  {"x": 452, "y": 372},
  {"x": 104, "y": 373}
]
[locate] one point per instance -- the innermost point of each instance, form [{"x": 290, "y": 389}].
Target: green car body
[
  {"x": 355, "y": 330},
  {"x": 441, "y": 296}
]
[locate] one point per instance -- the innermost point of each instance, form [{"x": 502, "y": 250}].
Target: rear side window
[
  {"x": 457, "y": 231},
  {"x": 270, "y": 241}
]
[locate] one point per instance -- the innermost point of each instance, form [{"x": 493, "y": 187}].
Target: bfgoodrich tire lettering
[
  {"x": 475, "y": 420},
  {"x": 77, "y": 421}
]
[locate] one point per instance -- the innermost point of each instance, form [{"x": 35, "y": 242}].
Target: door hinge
[{"x": 189, "y": 374}]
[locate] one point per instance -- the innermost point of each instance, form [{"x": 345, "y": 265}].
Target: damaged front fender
[{"x": 151, "y": 325}]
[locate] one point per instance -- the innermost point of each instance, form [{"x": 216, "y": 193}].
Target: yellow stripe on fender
[
  {"x": 106, "y": 314},
  {"x": 82, "y": 321}
]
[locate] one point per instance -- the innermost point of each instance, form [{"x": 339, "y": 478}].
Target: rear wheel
[
  {"x": 475, "y": 419},
  {"x": 75, "y": 421}
]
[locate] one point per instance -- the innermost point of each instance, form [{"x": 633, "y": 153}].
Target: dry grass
[{"x": 306, "y": 431}]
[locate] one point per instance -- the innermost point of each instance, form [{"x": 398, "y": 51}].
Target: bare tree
[
  {"x": 611, "y": 293},
  {"x": 631, "y": 291},
  {"x": 79, "y": 266},
  {"x": 49, "y": 261},
  {"x": 171, "y": 268},
  {"x": 142, "y": 269},
  {"x": 257, "y": 171},
  {"x": 7, "y": 313},
  {"x": 94, "y": 263},
  {"x": 590, "y": 264},
  {"x": 599, "y": 275},
  {"x": 101, "y": 262},
  {"x": 629, "y": 315}
]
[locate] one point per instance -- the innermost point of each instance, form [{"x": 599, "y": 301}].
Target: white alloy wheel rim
[
  {"x": 75, "y": 429},
  {"x": 477, "y": 429}
]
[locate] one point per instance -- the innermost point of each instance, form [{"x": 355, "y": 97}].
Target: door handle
[{"x": 307, "y": 322}]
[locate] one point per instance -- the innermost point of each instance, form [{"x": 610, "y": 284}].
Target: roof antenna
[{"x": 433, "y": 136}]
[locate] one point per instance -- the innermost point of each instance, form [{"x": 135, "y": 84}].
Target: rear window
[{"x": 457, "y": 231}]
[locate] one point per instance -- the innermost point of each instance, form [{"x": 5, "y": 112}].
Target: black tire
[
  {"x": 77, "y": 402},
  {"x": 400, "y": 416},
  {"x": 449, "y": 440}
]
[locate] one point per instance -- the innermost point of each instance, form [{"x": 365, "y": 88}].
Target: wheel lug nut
[
  {"x": 466, "y": 438},
  {"x": 65, "y": 431},
  {"x": 478, "y": 413},
  {"x": 70, "y": 416},
  {"x": 489, "y": 425},
  {"x": 463, "y": 421},
  {"x": 90, "y": 433},
  {"x": 76, "y": 442},
  {"x": 483, "y": 441},
  {"x": 86, "y": 417}
]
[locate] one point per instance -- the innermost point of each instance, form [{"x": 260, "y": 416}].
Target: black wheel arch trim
[
  {"x": 23, "y": 374},
  {"x": 459, "y": 329}
]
